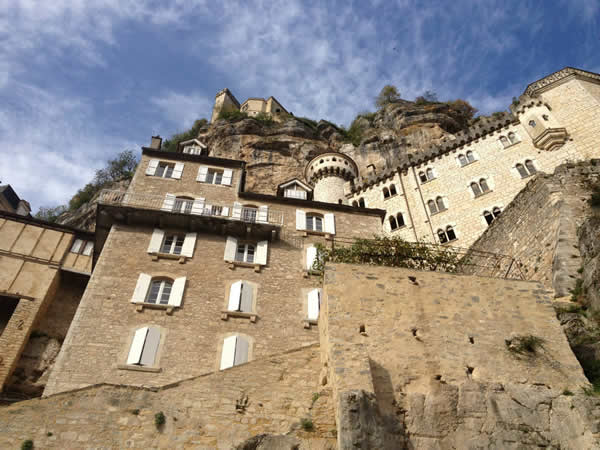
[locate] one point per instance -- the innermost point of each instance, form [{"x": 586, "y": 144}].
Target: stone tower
[
  {"x": 328, "y": 173},
  {"x": 224, "y": 101}
]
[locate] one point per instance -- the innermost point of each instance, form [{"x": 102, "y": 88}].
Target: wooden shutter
[
  {"x": 76, "y": 246},
  {"x": 188, "y": 245},
  {"x": 87, "y": 250},
  {"x": 311, "y": 255},
  {"x": 263, "y": 214},
  {"x": 156, "y": 241},
  {"x": 202, "y": 173},
  {"x": 225, "y": 211},
  {"x": 150, "y": 347},
  {"x": 236, "y": 213},
  {"x": 228, "y": 352},
  {"x": 314, "y": 303},
  {"x": 178, "y": 170},
  {"x": 141, "y": 288},
  {"x": 241, "y": 351},
  {"x": 168, "y": 203},
  {"x": 227, "y": 176},
  {"x": 230, "y": 249},
  {"x": 261, "y": 252},
  {"x": 329, "y": 223},
  {"x": 198, "y": 206},
  {"x": 235, "y": 293},
  {"x": 137, "y": 345},
  {"x": 152, "y": 165},
  {"x": 300, "y": 220},
  {"x": 246, "y": 299},
  {"x": 177, "y": 292}
]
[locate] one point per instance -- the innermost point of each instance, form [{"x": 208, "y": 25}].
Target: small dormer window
[
  {"x": 195, "y": 150},
  {"x": 293, "y": 192}
]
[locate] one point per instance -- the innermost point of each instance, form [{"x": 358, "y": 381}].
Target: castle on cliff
[{"x": 189, "y": 276}]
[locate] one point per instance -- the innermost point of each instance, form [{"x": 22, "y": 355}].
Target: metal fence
[{"x": 183, "y": 205}]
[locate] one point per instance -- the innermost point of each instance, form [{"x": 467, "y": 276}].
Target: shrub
[
  {"x": 567, "y": 392},
  {"x": 232, "y": 115},
  {"x": 307, "y": 424},
  {"x": 526, "y": 344},
  {"x": 27, "y": 445},
  {"x": 264, "y": 118},
  {"x": 578, "y": 292},
  {"x": 135, "y": 412},
  {"x": 387, "y": 95},
  {"x": 170, "y": 145},
  {"x": 308, "y": 122},
  {"x": 159, "y": 419}
]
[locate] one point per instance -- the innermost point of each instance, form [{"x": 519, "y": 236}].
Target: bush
[
  {"x": 232, "y": 115},
  {"x": 427, "y": 98},
  {"x": 307, "y": 424},
  {"x": 308, "y": 122},
  {"x": 463, "y": 111},
  {"x": 264, "y": 118},
  {"x": 170, "y": 145},
  {"x": 578, "y": 292},
  {"x": 388, "y": 94},
  {"x": 27, "y": 445},
  {"x": 526, "y": 344},
  {"x": 159, "y": 419}
]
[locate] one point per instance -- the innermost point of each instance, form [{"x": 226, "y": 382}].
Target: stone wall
[
  {"x": 218, "y": 410},
  {"x": 423, "y": 359}
]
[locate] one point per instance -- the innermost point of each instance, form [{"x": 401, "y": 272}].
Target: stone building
[
  {"x": 226, "y": 101},
  {"x": 10, "y": 201}
]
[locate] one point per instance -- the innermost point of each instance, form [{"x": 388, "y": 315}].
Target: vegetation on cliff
[{"x": 170, "y": 145}]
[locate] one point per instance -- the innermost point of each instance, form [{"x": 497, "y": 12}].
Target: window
[
  {"x": 160, "y": 291},
  {"x": 462, "y": 160},
  {"x": 423, "y": 177},
  {"x": 241, "y": 295},
  {"x": 313, "y": 305},
  {"x": 400, "y": 220},
  {"x": 439, "y": 201},
  {"x": 429, "y": 173},
  {"x": 479, "y": 188},
  {"x": 234, "y": 352},
  {"x": 183, "y": 205},
  {"x": 83, "y": 247},
  {"x": 504, "y": 141},
  {"x": 446, "y": 235},
  {"x": 214, "y": 176},
  {"x": 526, "y": 170},
  {"x": 295, "y": 193},
  {"x": 393, "y": 223},
  {"x": 164, "y": 170},
  {"x": 491, "y": 216},
  {"x": 470, "y": 156},
  {"x": 432, "y": 207},
  {"x": 144, "y": 347},
  {"x": 436, "y": 206},
  {"x": 530, "y": 167},
  {"x": 314, "y": 222},
  {"x": 311, "y": 256},
  {"x": 532, "y": 123},
  {"x": 392, "y": 189},
  {"x": 361, "y": 202},
  {"x": 512, "y": 137},
  {"x": 195, "y": 150},
  {"x": 249, "y": 213},
  {"x": 386, "y": 193},
  {"x": 172, "y": 244},
  {"x": 355, "y": 204},
  {"x": 245, "y": 253}
]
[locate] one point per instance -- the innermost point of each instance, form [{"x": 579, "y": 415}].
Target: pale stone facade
[{"x": 226, "y": 101}]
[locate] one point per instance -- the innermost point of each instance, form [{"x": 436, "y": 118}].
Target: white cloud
[{"x": 183, "y": 109}]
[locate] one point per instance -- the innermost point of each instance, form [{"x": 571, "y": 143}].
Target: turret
[{"x": 328, "y": 173}]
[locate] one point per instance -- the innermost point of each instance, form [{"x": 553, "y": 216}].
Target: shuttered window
[
  {"x": 159, "y": 291},
  {"x": 314, "y": 304},
  {"x": 172, "y": 244},
  {"x": 214, "y": 176},
  {"x": 234, "y": 352},
  {"x": 240, "y": 297},
  {"x": 252, "y": 253},
  {"x": 311, "y": 255},
  {"x": 144, "y": 347}
]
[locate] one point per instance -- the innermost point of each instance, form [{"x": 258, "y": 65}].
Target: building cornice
[
  {"x": 194, "y": 158},
  {"x": 557, "y": 78}
]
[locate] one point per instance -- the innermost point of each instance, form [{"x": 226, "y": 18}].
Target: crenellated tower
[{"x": 328, "y": 173}]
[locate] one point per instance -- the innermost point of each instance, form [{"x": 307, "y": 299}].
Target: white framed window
[
  {"x": 82, "y": 247},
  {"x": 246, "y": 252},
  {"x": 234, "y": 351},
  {"x": 427, "y": 175},
  {"x": 77, "y": 245},
  {"x": 212, "y": 175},
  {"x": 195, "y": 150},
  {"x": 504, "y": 141},
  {"x": 513, "y": 138},
  {"x": 241, "y": 297},
  {"x": 314, "y": 222},
  {"x": 164, "y": 169},
  {"x": 479, "y": 187},
  {"x": 159, "y": 291},
  {"x": 172, "y": 243},
  {"x": 295, "y": 193},
  {"x": 88, "y": 248},
  {"x": 466, "y": 159},
  {"x": 144, "y": 347}
]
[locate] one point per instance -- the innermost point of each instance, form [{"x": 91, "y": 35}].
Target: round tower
[{"x": 328, "y": 173}]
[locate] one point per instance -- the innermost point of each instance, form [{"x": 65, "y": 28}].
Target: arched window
[
  {"x": 522, "y": 171},
  {"x": 483, "y": 185},
  {"x": 314, "y": 222},
  {"x": 462, "y": 160},
  {"x": 392, "y": 189},
  {"x": 339, "y": 201},
  {"x": 496, "y": 212},
  {"x": 386, "y": 193},
  {"x": 249, "y": 213},
  {"x": 361, "y": 202},
  {"x": 504, "y": 141},
  {"x": 489, "y": 218},
  {"x": 400, "y": 220},
  {"x": 476, "y": 189},
  {"x": 422, "y": 177},
  {"x": 183, "y": 205},
  {"x": 450, "y": 233},
  {"x": 144, "y": 347},
  {"x": 234, "y": 352},
  {"x": 440, "y": 204},
  {"x": 355, "y": 204},
  {"x": 430, "y": 175},
  {"x": 470, "y": 156},
  {"x": 442, "y": 236},
  {"x": 530, "y": 167},
  {"x": 512, "y": 138},
  {"x": 393, "y": 223},
  {"x": 432, "y": 207},
  {"x": 160, "y": 291}
]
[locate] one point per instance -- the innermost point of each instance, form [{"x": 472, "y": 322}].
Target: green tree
[
  {"x": 50, "y": 214},
  {"x": 170, "y": 145},
  {"x": 387, "y": 95},
  {"x": 120, "y": 168}
]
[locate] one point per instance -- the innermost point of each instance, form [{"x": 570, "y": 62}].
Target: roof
[
  {"x": 195, "y": 141},
  {"x": 10, "y": 195},
  {"x": 45, "y": 224},
  {"x": 195, "y": 158},
  {"x": 294, "y": 181},
  {"x": 558, "y": 77}
]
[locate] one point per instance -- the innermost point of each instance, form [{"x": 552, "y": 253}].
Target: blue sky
[{"x": 82, "y": 80}]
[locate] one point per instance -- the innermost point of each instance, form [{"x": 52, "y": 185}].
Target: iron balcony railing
[{"x": 200, "y": 207}]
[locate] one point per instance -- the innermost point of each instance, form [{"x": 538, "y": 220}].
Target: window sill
[
  {"x": 308, "y": 323},
  {"x": 469, "y": 163},
  {"x": 390, "y": 197},
  {"x": 317, "y": 233},
  {"x": 308, "y": 273},
  {"x": 399, "y": 228},
  {"x": 484, "y": 194},
  {"x": 430, "y": 180},
  {"x": 512, "y": 145},
  {"x": 163, "y": 178},
  {"x": 157, "y": 256},
  {"x": 449, "y": 242},
  {"x": 234, "y": 264},
  {"x": 213, "y": 184},
  {"x": 139, "y": 368},
  {"x": 225, "y": 315},
  {"x": 440, "y": 211},
  {"x": 168, "y": 308},
  {"x": 528, "y": 176}
]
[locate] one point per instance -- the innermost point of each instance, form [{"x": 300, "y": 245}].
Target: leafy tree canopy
[
  {"x": 389, "y": 94},
  {"x": 170, "y": 145}
]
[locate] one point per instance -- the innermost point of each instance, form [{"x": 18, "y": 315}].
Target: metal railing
[{"x": 191, "y": 206}]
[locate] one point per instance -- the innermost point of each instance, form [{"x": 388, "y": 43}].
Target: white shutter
[
  {"x": 150, "y": 347},
  {"x": 241, "y": 351},
  {"x": 230, "y": 248},
  {"x": 137, "y": 345},
  {"x": 246, "y": 299},
  {"x": 198, "y": 206},
  {"x": 314, "y": 303},
  {"x": 228, "y": 352},
  {"x": 178, "y": 170},
  {"x": 225, "y": 211},
  {"x": 177, "y": 292},
  {"x": 202, "y": 172},
  {"x": 261, "y": 252},
  {"x": 76, "y": 246},
  {"x": 168, "y": 203},
  {"x": 208, "y": 209},
  {"x": 235, "y": 293},
  {"x": 263, "y": 214},
  {"x": 87, "y": 250},
  {"x": 329, "y": 223},
  {"x": 156, "y": 241},
  {"x": 300, "y": 220},
  {"x": 227, "y": 176},
  {"x": 236, "y": 213},
  {"x": 311, "y": 255},
  {"x": 141, "y": 288},
  {"x": 152, "y": 165},
  {"x": 188, "y": 245}
]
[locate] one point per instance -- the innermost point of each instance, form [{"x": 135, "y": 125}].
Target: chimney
[{"x": 156, "y": 142}]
